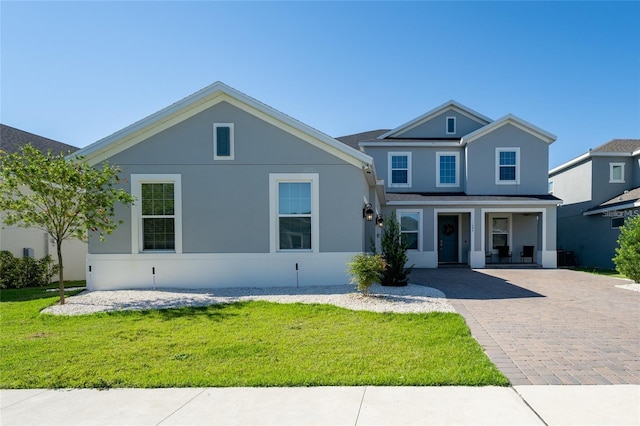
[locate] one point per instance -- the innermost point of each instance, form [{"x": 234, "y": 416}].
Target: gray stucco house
[
  {"x": 234, "y": 193},
  {"x": 599, "y": 189}
]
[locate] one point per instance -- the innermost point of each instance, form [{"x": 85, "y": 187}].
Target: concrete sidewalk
[{"x": 519, "y": 405}]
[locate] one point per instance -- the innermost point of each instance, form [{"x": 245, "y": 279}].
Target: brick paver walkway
[{"x": 547, "y": 327}]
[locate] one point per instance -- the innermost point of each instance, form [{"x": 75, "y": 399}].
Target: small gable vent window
[
  {"x": 616, "y": 172},
  {"x": 223, "y": 141},
  {"x": 451, "y": 125}
]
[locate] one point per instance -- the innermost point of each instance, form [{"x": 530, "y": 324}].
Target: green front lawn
[{"x": 240, "y": 344}]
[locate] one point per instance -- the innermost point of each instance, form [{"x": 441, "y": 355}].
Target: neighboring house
[
  {"x": 15, "y": 239},
  {"x": 466, "y": 189},
  {"x": 599, "y": 189},
  {"x": 231, "y": 192}
]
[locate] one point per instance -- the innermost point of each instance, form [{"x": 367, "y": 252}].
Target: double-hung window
[
  {"x": 399, "y": 169},
  {"x": 507, "y": 166},
  {"x": 294, "y": 212},
  {"x": 223, "y": 141},
  {"x": 447, "y": 170},
  {"x": 410, "y": 228},
  {"x": 157, "y": 223},
  {"x": 616, "y": 172},
  {"x": 500, "y": 232}
]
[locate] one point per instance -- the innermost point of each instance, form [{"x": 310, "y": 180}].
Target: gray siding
[
  {"x": 481, "y": 166},
  {"x": 602, "y": 189},
  {"x": 225, "y": 204},
  {"x": 635, "y": 179},
  {"x": 423, "y": 168},
  {"x": 436, "y": 127},
  {"x": 573, "y": 185}
]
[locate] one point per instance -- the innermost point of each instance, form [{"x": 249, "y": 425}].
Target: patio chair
[
  {"x": 527, "y": 251},
  {"x": 504, "y": 253}
]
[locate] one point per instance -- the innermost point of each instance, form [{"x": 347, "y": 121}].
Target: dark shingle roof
[
  {"x": 355, "y": 139},
  {"x": 619, "y": 145},
  {"x": 462, "y": 197},
  {"x": 12, "y": 139}
]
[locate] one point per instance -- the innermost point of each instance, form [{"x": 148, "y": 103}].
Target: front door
[{"x": 448, "y": 239}]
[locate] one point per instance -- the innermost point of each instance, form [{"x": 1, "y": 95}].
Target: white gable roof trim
[
  {"x": 515, "y": 121},
  {"x": 202, "y": 100},
  {"x": 450, "y": 105}
]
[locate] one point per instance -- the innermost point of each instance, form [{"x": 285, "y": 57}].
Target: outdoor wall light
[
  {"x": 379, "y": 220},
  {"x": 367, "y": 212}
]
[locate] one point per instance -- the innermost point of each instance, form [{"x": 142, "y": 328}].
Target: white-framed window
[
  {"x": 500, "y": 231},
  {"x": 156, "y": 213},
  {"x": 451, "y": 126},
  {"x": 550, "y": 187},
  {"x": 616, "y": 172},
  {"x": 399, "y": 169},
  {"x": 294, "y": 211},
  {"x": 410, "y": 228},
  {"x": 507, "y": 166},
  {"x": 447, "y": 169},
  {"x": 223, "y": 141}
]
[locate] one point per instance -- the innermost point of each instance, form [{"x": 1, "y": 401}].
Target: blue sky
[{"x": 79, "y": 71}]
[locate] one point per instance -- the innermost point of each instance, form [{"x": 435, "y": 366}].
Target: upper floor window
[
  {"x": 507, "y": 166},
  {"x": 447, "y": 170},
  {"x": 399, "y": 169},
  {"x": 157, "y": 216},
  {"x": 294, "y": 207},
  {"x": 550, "y": 187},
  {"x": 223, "y": 141},
  {"x": 451, "y": 125},
  {"x": 410, "y": 228},
  {"x": 616, "y": 172}
]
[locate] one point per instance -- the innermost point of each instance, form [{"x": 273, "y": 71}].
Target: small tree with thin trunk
[{"x": 66, "y": 198}]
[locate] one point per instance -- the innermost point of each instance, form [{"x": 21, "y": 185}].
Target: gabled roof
[
  {"x": 12, "y": 139},
  {"x": 515, "y": 121},
  {"x": 204, "y": 99},
  {"x": 434, "y": 112},
  {"x": 627, "y": 200},
  {"x": 613, "y": 148}
]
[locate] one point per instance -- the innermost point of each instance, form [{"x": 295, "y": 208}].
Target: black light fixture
[
  {"x": 367, "y": 212},
  {"x": 379, "y": 220}
]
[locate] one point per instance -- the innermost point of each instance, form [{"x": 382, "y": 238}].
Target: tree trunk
[{"x": 61, "y": 273}]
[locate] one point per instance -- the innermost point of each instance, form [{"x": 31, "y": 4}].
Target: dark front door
[{"x": 448, "y": 239}]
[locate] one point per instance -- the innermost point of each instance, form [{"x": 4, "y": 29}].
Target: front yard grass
[{"x": 239, "y": 344}]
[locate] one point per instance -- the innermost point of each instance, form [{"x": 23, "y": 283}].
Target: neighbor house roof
[
  {"x": 627, "y": 200},
  {"x": 613, "y": 148},
  {"x": 458, "y": 198},
  {"x": 12, "y": 139},
  {"x": 204, "y": 99}
]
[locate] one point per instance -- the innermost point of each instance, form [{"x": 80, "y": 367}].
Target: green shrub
[
  {"x": 627, "y": 257},
  {"x": 394, "y": 252},
  {"x": 365, "y": 270},
  {"x": 25, "y": 272}
]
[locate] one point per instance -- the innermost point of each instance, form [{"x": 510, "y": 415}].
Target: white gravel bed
[
  {"x": 412, "y": 298},
  {"x": 633, "y": 287}
]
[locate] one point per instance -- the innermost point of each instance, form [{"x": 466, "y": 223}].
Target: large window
[
  {"x": 399, "y": 169},
  {"x": 294, "y": 212},
  {"x": 223, "y": 141},
  {"x": 500, "y": 232},
  {"x": 410, "y": 228},
  {"x": 507, "y": 166},
  {"x": 447, "y": 170},
  {"x": 156, "y": 215},
  {"x": 616, "y": 172}
]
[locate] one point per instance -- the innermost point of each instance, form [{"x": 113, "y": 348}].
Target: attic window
[
  {"x": 223, "y": 141},
  {"x": 451, "y": 125},
  {"x": 616, "y": 172}
]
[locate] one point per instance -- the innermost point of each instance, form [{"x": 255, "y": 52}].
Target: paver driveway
[{"x": 547, "y": 326}]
